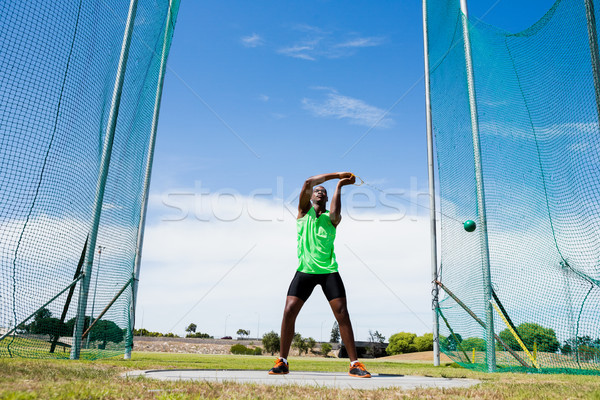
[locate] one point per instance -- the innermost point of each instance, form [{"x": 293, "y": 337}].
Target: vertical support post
[
  {"x": 432, "y": 216},
  {"x": 483, "y": 235},
  {"x": 101, "y": 183},
  {"x": 146, "y": 188},
  {"x": 595, "y": 58}
]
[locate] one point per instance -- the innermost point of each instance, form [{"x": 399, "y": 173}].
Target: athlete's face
[{"x": 319, "y": 195}]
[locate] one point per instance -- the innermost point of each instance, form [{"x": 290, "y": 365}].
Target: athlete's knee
[
  {"x": 292, "y": 306},
  {"x": 340, "y": 309}
]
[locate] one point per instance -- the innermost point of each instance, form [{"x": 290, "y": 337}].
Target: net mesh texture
[
  {"x": 540, "y": 151},
  {"x": 58, "y": 69}
]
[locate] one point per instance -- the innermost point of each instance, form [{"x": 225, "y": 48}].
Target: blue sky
[{"x": 259, "y": 96}]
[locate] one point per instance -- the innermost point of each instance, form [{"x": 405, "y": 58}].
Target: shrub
[
  {"x": 425, "y": 342},
  {"x": 238, "y": 349},
  {"x": 199, "y": 335},
  {"x": 473, "y": 343},
  {"x": 325, "y": 349},
  {"x": 243, "y": 350},
  {"x": 271, "y": 342},
  {"x": 402, "y": 342},
  {"x": 532, "y": 333},
  {"x": 450, "y": 342}
]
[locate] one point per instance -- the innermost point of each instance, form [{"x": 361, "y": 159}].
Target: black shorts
[{"x": 303, "y": 284}]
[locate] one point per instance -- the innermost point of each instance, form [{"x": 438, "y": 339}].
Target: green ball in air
[{"x": 469, "y": 225}]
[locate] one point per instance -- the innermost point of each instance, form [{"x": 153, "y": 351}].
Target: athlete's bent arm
[
  {"x": 335, "y": 213},
  {"x": 306, "y": 192}
]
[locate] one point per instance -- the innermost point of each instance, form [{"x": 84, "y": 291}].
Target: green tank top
[{"x": 315, "y": 243}]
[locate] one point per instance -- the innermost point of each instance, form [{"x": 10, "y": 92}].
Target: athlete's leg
[
  {"x": 334, "y": 290},
  {"x": 340, "y": 310},
  {"x": 300, "y": 289},
  {"x": 293, "y": 305}
]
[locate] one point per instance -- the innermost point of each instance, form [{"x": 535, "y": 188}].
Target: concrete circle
[{"x": 318, "y": 379}]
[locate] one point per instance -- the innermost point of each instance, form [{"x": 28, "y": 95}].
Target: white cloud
[
  {"x": 356, "y": 111},
  {"x": 304, "y": 50},
  {"x": 253, "y": 40},
  {"x": 189, "y": 260},
  {"x": 263, "y": 97},
  {"x": 317, "y": 43},
  {"x": 362, "y": 42}
]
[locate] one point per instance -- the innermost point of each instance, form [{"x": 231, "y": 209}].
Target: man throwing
[{"x": 316, "y": 228}]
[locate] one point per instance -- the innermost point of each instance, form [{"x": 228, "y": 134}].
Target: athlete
[{"x": 317, "y": 265}]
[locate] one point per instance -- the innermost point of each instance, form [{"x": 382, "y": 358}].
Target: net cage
[
  {"x": 59, "y": 67},
  {"x": 535, "y": 103}
]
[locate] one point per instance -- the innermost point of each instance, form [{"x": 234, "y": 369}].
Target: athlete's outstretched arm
[
  {"x": 335, "y": 212},
  {"x": 306, "y": 192}
]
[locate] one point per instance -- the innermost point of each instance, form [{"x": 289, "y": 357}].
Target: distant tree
[
  {"x": 270, "y": 342},
  {"x": 199, "y": 335},
  {"x": 566, "y": 349},
  {"x": 585, "y": 348},
  {"x": 299, "y": 343},
  {"x": 243, "y": 332},
  {"x": 374, "y": 337},
  {"x": 310, "y": 344},
  {"x": 325, "y": 349},
  {"x": 450, "y": 343},
  {"x": 191, "y": 328},
  {"x": 473, "y": 343},
  {"x": 425, "y": 342},
  {"x": 532, "y": 333},
  {"x": 335, "y": 333},
  {"x": 402, "y": 342},
  {"x": 42, "y": 314},
  {"x": 53, "y": 327},
  {"x": 106, "y": 331}
]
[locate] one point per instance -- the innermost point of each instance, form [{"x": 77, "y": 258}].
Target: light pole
[
  {"x": 228, "y": 315},
  {"x": 100, "y": 248}
]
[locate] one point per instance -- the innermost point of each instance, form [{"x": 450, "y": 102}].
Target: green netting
[
  {"x": 58, "y": 66},
  {"x": 540, "y": 152}
]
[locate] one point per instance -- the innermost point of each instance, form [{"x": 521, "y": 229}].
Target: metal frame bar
[
  {"x": 483, "y": 236},
  {"x": 101, "y": 184},
  {"x": 45, "y": 304},
  {"x": 106, "y": 308},
  {"x": 432, "y": 216},
  {"x": 146, "y": 189}
]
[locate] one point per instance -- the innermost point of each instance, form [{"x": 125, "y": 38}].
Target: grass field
[{"x": 64, "y": 379}]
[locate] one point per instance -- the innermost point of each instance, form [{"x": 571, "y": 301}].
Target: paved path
[{"x": 321, "y": 379}]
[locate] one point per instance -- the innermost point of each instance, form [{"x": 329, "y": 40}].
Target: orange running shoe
[
  {"x": 280, "y": 368},
  {"x": 358, "y": 370}
]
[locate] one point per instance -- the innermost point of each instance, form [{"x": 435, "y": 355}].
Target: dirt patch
[
  {"x": 199, "y": 346},
  {"x": 423, "y": 356}
]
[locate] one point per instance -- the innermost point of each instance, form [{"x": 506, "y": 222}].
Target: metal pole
[
  {"x": 108, "y": 306},
  {"x": 146, "y": 189},
  {"x": 483, "y": 236},
  {"x": 595, "y": 58},
  {"x": 432, "y": 216},
  {"x": 100, "y": 248},
  {"x": 101, "y": 184}
]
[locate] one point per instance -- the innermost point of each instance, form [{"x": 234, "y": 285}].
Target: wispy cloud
[
  {"x": 362, "y": 42},
  {"x": 318, "y": 43},
  {"x": 263, "y": 97},
  {"x": 305, "y": 50},
  {"x": 339, "y": 106},
  {"x": 253, "y": 40}
]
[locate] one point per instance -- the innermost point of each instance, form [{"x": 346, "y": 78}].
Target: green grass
[{"x": 64, "y": 379}]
